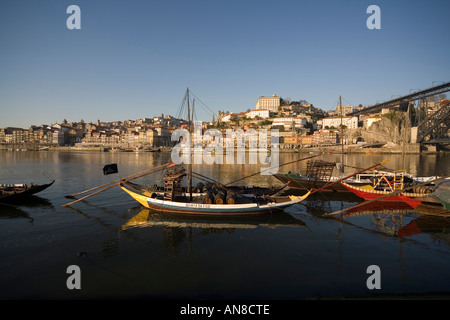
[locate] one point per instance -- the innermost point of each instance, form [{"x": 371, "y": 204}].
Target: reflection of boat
[
  {"x": 12, "y": 212},
  {"x": 386, "y": 217},
  {"x": 18, "y": 191},
  {"x": 150, "y": 218},
  {"x": 424, "y": 224},
  {"x": 379, "y": 207}
]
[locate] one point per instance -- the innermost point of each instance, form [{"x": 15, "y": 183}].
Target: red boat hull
[{"x": 409, "y": 198}]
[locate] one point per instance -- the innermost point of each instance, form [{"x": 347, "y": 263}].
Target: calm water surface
[{"x": 132, "y": 252}]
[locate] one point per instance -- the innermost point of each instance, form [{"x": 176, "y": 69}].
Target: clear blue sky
[{"x": 134, "y": 59}]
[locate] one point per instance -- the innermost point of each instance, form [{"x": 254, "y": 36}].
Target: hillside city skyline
[{"x": 298, "y": 123}]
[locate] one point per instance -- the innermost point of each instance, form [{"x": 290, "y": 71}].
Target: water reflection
[
  {"x": 400, "y": 220},
  {"x": 13, "y": 209},
  {"x": 30, "y": 202},
  {"x": 11, "y": 212},
  {"x": 211, "y": 224},
  {"x": 437, "y": 227}
]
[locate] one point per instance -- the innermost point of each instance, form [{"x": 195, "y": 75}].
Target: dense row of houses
[
  {"x": 298, "y": 125},
  {"x": 146, "y": 132}
]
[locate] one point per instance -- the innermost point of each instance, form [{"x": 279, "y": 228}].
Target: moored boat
[
  {"x": 368, "y": 192},
  {"x": 320, "y": 175},
  {"x": 9, "y": 192},
  {"x": 442, "y": 194},
  {"x": 243, "y": 204}
]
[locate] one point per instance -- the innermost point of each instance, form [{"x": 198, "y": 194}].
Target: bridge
[
  {"x": 399, "y": 102},
  {"x": 431, "y": 130},
  {"x": 435, "y": 126}
]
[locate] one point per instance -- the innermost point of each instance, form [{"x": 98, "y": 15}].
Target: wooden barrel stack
[{"x": 218, "y": 196}]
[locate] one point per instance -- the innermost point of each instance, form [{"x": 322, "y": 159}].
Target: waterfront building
[
  {"x": 305, "y": 139},
  {"x": 325, "y": 137},
  {"x": 58, "y": 137},
  {"x": 269, "y": 103}
]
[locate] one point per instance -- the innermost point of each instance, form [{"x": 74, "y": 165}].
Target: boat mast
[
  {"x": 190, "y": 151},
  {"x": 342, "y": 135}
]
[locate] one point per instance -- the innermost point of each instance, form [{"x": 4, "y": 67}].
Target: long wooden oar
[
  {"x": 347, "y": 177},
  {"x": 107, "y": 188},
  {"x": 284, "y": 164},
  {"x": 118, "y": 180},
  {"x": 384, "y": 196}
]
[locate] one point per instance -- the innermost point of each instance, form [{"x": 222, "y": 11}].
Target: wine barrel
[
  {"x": 423, "y": 190},
  {"x": 231, "y": 197},
  {"x": 209, "y": 198},
  {"x": 220, "y": 197}
]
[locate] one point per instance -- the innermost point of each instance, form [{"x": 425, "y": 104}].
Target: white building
[
  {"x": 261, "y": 113},
  {"x": 349, "y": 122},
  {"x": 232, "y": 116},
  {"x": 288, "y": 121},
  {"x": 270, "y": 103}
]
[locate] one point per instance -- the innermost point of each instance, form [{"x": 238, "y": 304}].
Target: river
[{"x": 126, "y": 252}]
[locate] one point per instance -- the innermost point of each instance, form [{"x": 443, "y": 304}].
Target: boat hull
[
  {"x": 413, "y": 199},
  {"x": 305, "y": 184},
  {"x": 23, "y": 193},
  {"x": 212, "y": 209}
]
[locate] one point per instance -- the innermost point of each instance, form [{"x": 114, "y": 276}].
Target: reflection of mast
[{"x": 340, "y": 241}]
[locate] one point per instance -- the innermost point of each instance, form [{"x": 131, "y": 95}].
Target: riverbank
[{"x": 388, "y": 148}]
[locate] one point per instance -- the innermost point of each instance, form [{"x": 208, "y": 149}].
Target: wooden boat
[
  {"x": 10, "y": 192},
  {"x": 442, "y": 194},
  {"x": 217, "y": 201},
  {"x": 368, "y": 192},
  {"x": 243, "y": 204},
  {"x": 319, "y": 175}
]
